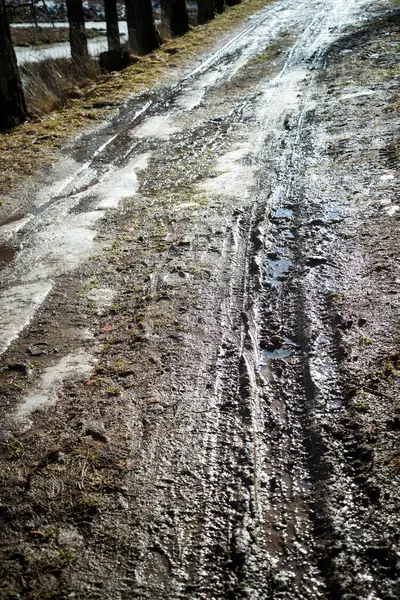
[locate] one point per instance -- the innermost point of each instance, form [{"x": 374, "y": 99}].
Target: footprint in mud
[{"x": 330, "y": 218}]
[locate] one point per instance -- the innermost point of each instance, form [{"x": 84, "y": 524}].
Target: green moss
[
  {"x": 389, "y": 371},
  {"x": 14, "y": 448},
  {"x": 114, "y": 390}
]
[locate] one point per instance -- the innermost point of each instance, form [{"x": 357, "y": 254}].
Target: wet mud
[
  {"x": 200, "y": 402},
  {"x": 6, "y": 255}
]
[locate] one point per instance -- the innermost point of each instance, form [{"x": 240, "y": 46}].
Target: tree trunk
[
  {"x": 34, "y": 14},
  {"x": 130, "y": 21},
  {"x": 205, "y": 11},
  {"x": 77, "y": 35},
  {"x": 233, "y": 2},
  {"x": 143, "y": 33},
  {"x": 111, "y": 14},
  {"x": 165, "y": 6},
  {"x": 12, "y": 103},
  {"x": 179, "y": 17},
  {"x": 219, "y": 6}
]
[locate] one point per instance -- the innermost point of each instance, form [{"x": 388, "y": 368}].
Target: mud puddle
[{"x": 269, "y": 358}]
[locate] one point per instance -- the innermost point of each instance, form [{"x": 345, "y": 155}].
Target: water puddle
[
  {"x": 387, "y": 177},
  {"x": 121, "y": 183},
  {"x": 280, "y": 269},
  {"x": 159, "y": 127},
  {"x": 333, "y": 216},
  {"x": 192, "y": 96},
  {"x": 17, "y": 306},
  {"x": 279, "y": 353},
  {"x": 393, "y": 210},
  {"x": 357, "y": 94},
  {"x": 268, "y": 357},
  {"x": 12, "y": 226},
  {"x": 282, "y": 213},
  {"x": 232, "y": 176}
]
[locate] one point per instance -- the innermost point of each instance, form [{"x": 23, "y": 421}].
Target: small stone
[{"x": 38, "y": 349}]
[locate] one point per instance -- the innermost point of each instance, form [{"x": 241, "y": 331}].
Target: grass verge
[
  {"x": 35, "y": 144},
  {"x": 51, "y": 83}
]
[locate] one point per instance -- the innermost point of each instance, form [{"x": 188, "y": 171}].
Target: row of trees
[{"x": 143, "y": 37}]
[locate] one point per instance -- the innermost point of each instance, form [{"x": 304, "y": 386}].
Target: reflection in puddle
[
  {"x": 269, "y": 356},
  {"x": 333, "y": 216},
  {"x": 283, "y": 213},
  {"x": 280, "y": 268},
  {"x": 159, "y": 127},
  {"x": 279, "y": 353}
]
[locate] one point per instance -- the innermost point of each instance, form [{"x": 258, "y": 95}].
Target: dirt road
[{"x": 200, "y": 331}]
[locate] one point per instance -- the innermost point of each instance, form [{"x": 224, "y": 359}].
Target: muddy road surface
[{"x": 200, "y": 351}]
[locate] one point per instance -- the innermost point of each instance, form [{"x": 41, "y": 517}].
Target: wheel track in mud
[
  {"x": 244, "y": 561},
  {"x": 239, "y": 399},
  {"x": 302, "y": 401},
  {"x": 300, "y": 309}
]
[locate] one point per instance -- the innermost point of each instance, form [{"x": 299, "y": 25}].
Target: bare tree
[
  {"x": 142, "y": 31},
  {"x": 34, "y": 13},
  {"x": 48, "y": 13},
  {"x": 77, "y": 35},
  {"x": 175, "y": 15},
  {"x": 111, "y": 14},
  {"x": 205, "y": 11},
  {"x": 12, "y": 103}
]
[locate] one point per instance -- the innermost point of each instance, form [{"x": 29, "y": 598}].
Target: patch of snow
[{"x": 71, "y": 367}]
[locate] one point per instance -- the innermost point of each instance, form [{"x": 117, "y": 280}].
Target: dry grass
[
  {"x": 45, "y": 36},
  {"x": 51, "y": 83},
  {"x": 35, "y": 144}
]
